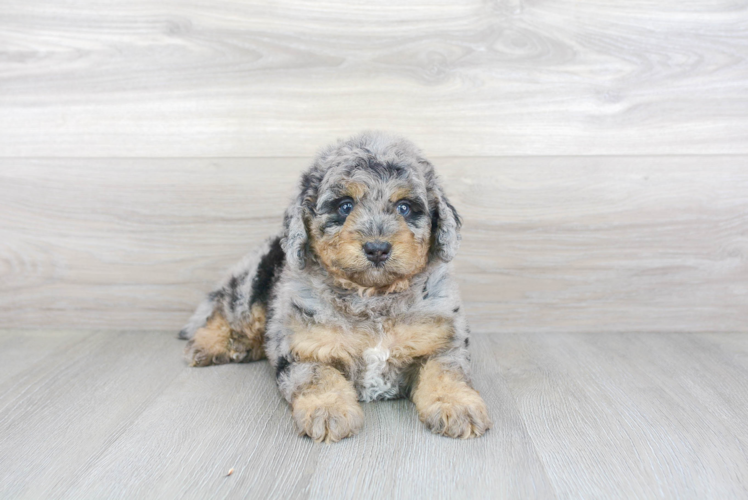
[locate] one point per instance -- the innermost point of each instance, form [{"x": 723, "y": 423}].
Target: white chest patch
[{"x": 377, "y": 380}]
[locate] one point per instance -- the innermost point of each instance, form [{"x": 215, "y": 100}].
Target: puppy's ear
[
  {"x": 295, "y": 240},
  {"x": 445, "y": 225}
]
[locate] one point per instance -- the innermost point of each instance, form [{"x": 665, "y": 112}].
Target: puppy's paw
[
  {"x": 200, "y": 354},
  {"x": 327, "y": 417},
  {"x": 215, "y": 344},
  {"x": 448, "y": 405},
  {"x": 327, "y": 409},
  {"x": 462, "y": 415}
]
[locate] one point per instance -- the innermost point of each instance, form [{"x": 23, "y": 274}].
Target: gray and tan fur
[{"x": 353, "y": 301}]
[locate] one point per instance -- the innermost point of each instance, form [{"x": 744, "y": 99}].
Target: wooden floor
[{"x": 102, "y": 414}]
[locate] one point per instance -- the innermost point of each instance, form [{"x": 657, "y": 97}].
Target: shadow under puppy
[{"x": 353, "y": 301}]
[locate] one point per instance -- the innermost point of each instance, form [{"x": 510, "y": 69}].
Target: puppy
[{"x": 353, "y": 301}]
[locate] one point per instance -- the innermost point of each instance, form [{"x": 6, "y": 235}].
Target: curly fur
[{"x": 338, "y": 327}]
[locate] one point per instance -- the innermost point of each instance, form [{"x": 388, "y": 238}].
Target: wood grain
[
  {"x": 596, "y": 150},
  {"x": 33, "y": 346},
  {"x": 549, "y": 244},
  {"x": 63, "y": 410},
  {"x": 120, "y": 415},
  {"x": 397, "y": 457},
  {"x": 633, "y": 415},
  {"x": 204, "y": 78},
  {"x": 211, "y": 420},
  {"x": 206, "y": 423}
]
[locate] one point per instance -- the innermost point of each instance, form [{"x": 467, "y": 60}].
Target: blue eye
[
  {"x": 345, "y": 208},
  {"x": 403, "y": 209}
]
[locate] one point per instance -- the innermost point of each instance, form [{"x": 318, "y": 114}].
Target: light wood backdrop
[{"x": 597, "y": 150}]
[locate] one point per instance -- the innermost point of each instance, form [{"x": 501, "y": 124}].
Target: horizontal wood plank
[
  {"x": 549, "y": 244},
  {"x": 179, "y": 78}
]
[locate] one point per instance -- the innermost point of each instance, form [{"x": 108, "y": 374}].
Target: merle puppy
[{"x": 353, "y": 301}]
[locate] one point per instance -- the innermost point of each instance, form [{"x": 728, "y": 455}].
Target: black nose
[{"x": 377, "y": 251}]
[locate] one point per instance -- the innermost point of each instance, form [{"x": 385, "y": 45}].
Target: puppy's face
[
  {"x": 371, "y": 211},
  {"x": 371, "y": 224}
]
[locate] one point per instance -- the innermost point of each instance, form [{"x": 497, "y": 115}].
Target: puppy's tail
[{"x": 242, "y": 298}]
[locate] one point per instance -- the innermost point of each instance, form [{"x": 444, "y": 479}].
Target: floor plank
[
  {"x": 209, "y": 421},
  {"x": 62, "y": 411},
  {"x": 206, "y": 423},
  {"x": 119, "y": 415},
  {"x": 632, "y": 415},
  {"x": 34, "y": 346},
  {"x": 397, "y": 457},
  {"x": 549, "y": 244},
  {"x": 475, "y": 78}
]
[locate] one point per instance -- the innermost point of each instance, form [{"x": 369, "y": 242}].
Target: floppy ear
[
  {"x": 445, "y": 227},
  {"x": 295, "y": 240}
]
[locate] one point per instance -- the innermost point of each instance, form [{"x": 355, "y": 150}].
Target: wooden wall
[{"x": 597, "y": 150}]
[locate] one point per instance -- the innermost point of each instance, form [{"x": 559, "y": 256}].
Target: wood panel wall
[{"x": 597, "y": 150}]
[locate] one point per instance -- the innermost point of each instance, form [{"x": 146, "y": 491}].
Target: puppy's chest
[{"x": 374, "y": 356}]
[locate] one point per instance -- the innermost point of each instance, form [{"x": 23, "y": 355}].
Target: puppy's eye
[
  {"x": 345, "y": 207},
  {"x": 403, "y": 208}
]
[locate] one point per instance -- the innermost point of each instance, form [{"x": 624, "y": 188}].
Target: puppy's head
[{"x": 371, "y": 212}]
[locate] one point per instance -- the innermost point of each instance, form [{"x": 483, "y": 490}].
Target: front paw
[
  {"x": 328, "y": 411},
  {"x": 327, "y": 417},
  {"x": 461, "y": 415},
  {"x": 448, "y": 405}
]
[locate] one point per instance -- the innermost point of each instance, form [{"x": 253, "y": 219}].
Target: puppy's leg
[
  {"x": 447, "y": 404},
  {"x": 218, "y": 342},
  {"x": 324, "y": 404},
  {"x": 229, "y": 325}
]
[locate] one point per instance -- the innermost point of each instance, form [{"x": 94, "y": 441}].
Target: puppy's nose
[{"x": 377, "y": 251}]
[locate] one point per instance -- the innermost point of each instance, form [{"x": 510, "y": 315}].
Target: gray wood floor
[{"x": 103, "y": 414}]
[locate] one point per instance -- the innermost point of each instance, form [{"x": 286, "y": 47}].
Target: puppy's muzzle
[{"x": 377, "y": 251}]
